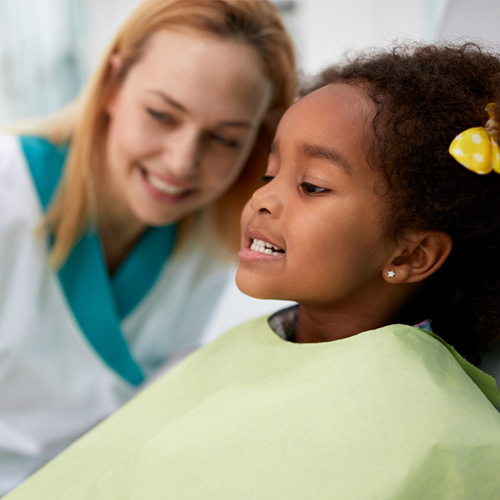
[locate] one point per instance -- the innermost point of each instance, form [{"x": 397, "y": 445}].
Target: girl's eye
[
  {"x": 312, "y": 189},
  {"x": 230, "y": 143},
  {"x": 159, "y": 116},
  {"x": 267, "y": 178}
]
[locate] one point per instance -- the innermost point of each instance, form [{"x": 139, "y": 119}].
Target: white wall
[
  {"x": 38, "y": 56},
  {"x": 39, "y": 37},
  {"x": 331, "y": 28},
  {"x": 471, "y": 19}
]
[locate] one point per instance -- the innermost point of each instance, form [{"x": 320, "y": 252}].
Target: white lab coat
[{"x": 53, "y": 384}]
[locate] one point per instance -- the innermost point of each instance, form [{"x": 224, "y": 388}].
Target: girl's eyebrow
[{"x": 329, "y": 154}]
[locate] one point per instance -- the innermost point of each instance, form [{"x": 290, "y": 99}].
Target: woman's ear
[
  {"x": 419, "y": 255},
  {"x": 115, "y": 65},
  {"x": 112, "y": 80}
]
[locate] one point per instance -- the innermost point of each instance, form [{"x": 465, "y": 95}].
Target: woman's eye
[
  {"x": 225, "y": 141},
  {"x": 309, "y": 188},
  {"x": 159, "y": 116},
  {"x": 267, "y": 178}
]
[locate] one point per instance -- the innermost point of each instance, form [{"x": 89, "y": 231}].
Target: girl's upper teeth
[
  {"x": 265, "y": 247},
  {"x": 165, "y": 187}
]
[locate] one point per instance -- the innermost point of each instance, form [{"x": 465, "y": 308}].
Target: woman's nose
[{"x": 182, "y": 154}]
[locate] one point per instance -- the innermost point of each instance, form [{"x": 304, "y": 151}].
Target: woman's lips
[
  {"x": 162, "y": 190},
  {"x": 165, "y": 187}
]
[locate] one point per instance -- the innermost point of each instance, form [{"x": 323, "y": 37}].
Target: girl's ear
[{"x": 419, "y": 255}]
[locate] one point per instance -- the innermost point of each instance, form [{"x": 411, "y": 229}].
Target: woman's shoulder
[
  {"x": 28, "y": 162},
  {"x": 18, "y": 198},
  {"x": 12, "y": 163},
  {"x": 10, "y": 150}
]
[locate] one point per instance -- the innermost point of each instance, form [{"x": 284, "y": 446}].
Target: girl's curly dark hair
[{"x": 424, "y": 96}]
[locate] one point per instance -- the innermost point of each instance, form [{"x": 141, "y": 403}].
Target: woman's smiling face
[
  {"x": 314, "y": 233},
  {"x": 182, "y": 125}
]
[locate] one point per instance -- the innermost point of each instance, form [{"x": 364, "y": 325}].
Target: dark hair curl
[{"x": 424, "y": 96}]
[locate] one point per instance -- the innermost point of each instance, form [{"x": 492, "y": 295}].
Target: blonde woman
[{"x": 116, "y": 214}]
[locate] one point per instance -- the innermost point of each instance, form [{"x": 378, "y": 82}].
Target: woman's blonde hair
[{"x": 84, "y": 123}]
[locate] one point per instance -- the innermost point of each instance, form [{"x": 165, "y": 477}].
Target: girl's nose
[
  {"x": 182, "y": 154},
  {"x": 266, "y": 200}
]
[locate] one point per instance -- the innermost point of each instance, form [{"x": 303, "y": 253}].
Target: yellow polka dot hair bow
[{"x": 477, "y": 148}]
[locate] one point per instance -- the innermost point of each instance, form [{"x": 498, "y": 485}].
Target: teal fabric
[
  {"x": 88, "y": 289},
  {"x": 137, "y": 274},
  {"x": 45, "y": 161},
  {"x": 98, "y": 301}
]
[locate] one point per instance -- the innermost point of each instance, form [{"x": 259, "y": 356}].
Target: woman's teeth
[
  {"x": 265, "y": 247},
  {"x": 164, "y": 187}
]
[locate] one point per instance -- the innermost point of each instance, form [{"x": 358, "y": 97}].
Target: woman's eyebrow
[
  {"x": 168, "y": 99},
  {"x": 180, "y": 107},
  {"x": 329, "y": 154}
]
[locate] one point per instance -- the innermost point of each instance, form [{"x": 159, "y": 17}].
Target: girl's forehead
[
  {"x": 334, "y": 113},
  {"x": 339, "y": 98}
]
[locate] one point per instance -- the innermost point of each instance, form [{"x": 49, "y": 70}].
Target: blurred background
[{"x": 48, "y": 47}]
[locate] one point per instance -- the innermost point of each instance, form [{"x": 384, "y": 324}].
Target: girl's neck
[
  {"x": 316, "y": 326},
  {"x": 324, "y": 324}
]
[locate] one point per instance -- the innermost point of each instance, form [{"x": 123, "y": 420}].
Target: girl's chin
[{"x": 249, "y": 285}]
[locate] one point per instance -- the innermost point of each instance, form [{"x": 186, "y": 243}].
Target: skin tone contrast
[
  {"x": 182, "y": 124},
  {"x": 314, "y": 233}
]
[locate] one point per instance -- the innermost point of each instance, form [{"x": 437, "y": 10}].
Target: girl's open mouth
[{"x": 265, "y": 247}]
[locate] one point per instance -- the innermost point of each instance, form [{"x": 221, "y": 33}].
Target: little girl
[{"x": 372, "y": 226}]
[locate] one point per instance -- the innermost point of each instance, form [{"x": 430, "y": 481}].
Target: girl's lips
[
  {"x": 260, "y": 249},
  {"x": 255, "y": 235}
]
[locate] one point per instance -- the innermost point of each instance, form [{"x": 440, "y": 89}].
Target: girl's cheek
[{"x": 245, "y": 214}]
